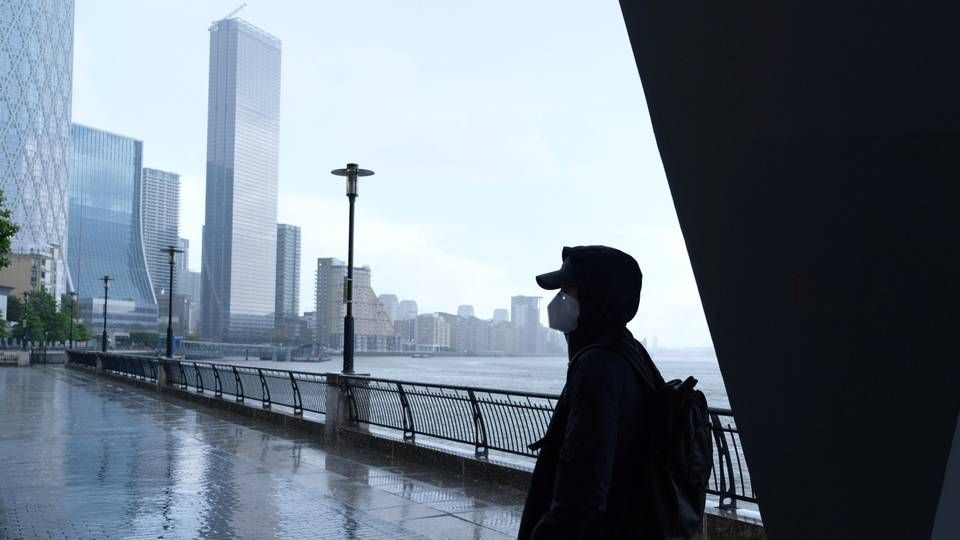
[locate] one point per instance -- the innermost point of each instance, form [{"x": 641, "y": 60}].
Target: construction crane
[
  {"x": 234, "y": 12},
  {"x": 213, "y": 25}
]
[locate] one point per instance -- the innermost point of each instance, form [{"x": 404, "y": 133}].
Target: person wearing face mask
[{"x": 589, "y": 480}]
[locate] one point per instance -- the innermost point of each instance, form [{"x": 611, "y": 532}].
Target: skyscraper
[
  {"x": 391, "y": 304},
  {"x": 240, "y": 232},
  {"x": 288, "y": 271},
  {"x": 36, "y": 72},
  {"x": 465, "y": 311},
  {"x": 183, "y": 259},
  {"x": 407, "y": 310},
  {"x": 105, "y": 230},
  {"x": 525, "y": 315},
  {"x": 160, "y": 215},
  {"x": 501, "y": 315}
]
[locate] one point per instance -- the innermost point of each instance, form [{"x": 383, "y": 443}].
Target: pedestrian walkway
[{"x": 82, "y": 457}]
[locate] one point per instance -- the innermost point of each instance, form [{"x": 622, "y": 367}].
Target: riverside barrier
[{"x": 488, "y": 420}]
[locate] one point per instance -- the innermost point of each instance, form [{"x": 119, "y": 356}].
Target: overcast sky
[{"x": 499, "y": 131}]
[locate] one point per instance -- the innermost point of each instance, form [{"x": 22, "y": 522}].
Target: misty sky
[{"x": 499, "y": 131}]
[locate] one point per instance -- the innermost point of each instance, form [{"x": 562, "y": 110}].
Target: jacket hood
[{"x": 608, "y": 285}]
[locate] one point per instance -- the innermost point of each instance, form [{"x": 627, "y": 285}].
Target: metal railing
[{"x": 486, "y": 419}]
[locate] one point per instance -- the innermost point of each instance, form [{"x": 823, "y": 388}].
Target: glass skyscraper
[
  {"x": 36, "y": 71},
  {"x": 161, "y": 223},
  {"x": 238, "y": 262},
  {"x": 288, "y": 271},
  {"x": 105, "y": 231}
]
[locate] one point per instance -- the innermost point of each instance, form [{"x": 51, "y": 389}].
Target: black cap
[{"x": 558, "y": 278}]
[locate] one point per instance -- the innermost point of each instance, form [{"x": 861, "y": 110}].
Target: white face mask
[{"x": 563, "y": 312}]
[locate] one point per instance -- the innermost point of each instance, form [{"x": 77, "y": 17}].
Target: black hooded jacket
[{"x": 588, "y": 481}]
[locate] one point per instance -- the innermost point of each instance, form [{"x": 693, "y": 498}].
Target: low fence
[{"x": 486, "y": 419}]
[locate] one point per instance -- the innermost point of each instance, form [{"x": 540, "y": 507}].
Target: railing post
[
  {"x": 196, "y": 370},
  {"x": 183, "y": 376},
  {"x": 236, "y": 377},
  {"x": 297, "y": 400},
  {"x": 99, "y": 363},
  {"x": 161, "y": 375},
  {"x": 217, "y": 387},
  {"x": 723, "y": 455},
  {"x": 409, "y": 430},
  {"x": 264, "y": 390},
  {"x": 479, "y": 427}
]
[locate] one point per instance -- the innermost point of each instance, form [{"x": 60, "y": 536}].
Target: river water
[{"x": 531, "y": 374}]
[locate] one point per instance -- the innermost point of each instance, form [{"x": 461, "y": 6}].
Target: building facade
[
  {"x": 105, "y": 231},
  {"x": 501, "y": 315},
  {"x": 391, "y": 304},
  {"x": 36, "y": 78},
  {"x": 373, "y": 329},
  {"x": 465, "y": 311},
  {"x": 288, "y": 271},
  {"x": 433, "y": 333},
  {"x": 240, "y": 230},
  {"x": 160, "y": 216},
  {"x": 525, "y": 315},
  {"x": 407, "y": 310}
]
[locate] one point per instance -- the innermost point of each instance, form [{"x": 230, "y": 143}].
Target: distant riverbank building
[{"x": 373, "y": 329}]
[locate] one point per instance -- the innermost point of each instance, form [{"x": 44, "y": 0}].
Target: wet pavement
[{"x": 82, "y": 457}]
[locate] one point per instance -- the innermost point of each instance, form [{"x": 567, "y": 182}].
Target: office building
[
  {"x": 525, "y": 315},
  {"x": 288, "y": 272},
  {"x": 36, "y": 72},
  {"x": 465, "y": 311},
  {"x": 29, "y": 272},
  {"x": 240, "y": 230},
  {"x": 391, "y": 304},
  {"x": 501, "y": 315},
  {"x": 406, "y": 330},
  {"x": 407, "y": 310},
  {"x": 160, "y": 216},
  {"x": 373, "y": 329},
  {"x": 105, "y": 231}
]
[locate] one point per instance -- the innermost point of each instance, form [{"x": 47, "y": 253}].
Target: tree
[
  {"x": 7, "y": 231},
  {"x": 81, "y": 333},
  {"x": 14, "y": 308}
]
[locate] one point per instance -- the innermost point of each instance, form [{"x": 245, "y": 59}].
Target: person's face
[{"x": 570, "y": 290}]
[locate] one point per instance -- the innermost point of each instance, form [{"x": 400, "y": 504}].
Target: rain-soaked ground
[{"x": 82, "y": 457}]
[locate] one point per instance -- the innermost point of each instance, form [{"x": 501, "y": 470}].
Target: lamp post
[
  {"x": 73, "y": 314},
  {"x": 352, "y": 172},
  {"x": 172, "y": 252},
  {"x": 106, "y": 287}
]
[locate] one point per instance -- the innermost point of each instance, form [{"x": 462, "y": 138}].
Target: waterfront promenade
[{"x": 87, "y": 457}]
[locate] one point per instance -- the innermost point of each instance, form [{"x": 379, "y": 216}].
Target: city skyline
[{"x": 541, "y": 130}]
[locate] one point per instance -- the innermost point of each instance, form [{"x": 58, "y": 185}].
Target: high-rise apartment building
[
  {"x": 183, "y": 258},
  {"x": 465, "y": 311},
  {"x": 501, "y": 315},
  {"x": 105, "y": 231},
  {"x": 288, "y": 271},
  {"x": 160, "y": 216},
  {"x": 373, "y": 329},
  {"x": 433, "y": 333},
  {"x": 36, "y": 72},
  {"x": 525, "y": 315},
  {"x": 240, "y": 231}
]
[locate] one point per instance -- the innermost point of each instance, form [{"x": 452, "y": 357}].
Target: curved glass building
[
  {"x": 36, "y": 70},
  {"x": 105, "y": 234}
]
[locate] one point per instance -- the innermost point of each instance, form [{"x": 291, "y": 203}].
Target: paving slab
[{"x": 86, "y": 457}]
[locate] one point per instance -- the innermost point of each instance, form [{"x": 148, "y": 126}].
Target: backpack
[
  {"x": 681, "y": 454},
  {"x": 679, "y": 449}
]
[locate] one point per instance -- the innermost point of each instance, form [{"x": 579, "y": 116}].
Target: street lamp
[
  {"x": 352, "y": 172},
  {"x": 73, "y": 315},
  {"x": 172, "y": 252},
  {"x": 106, "y": 287}
]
